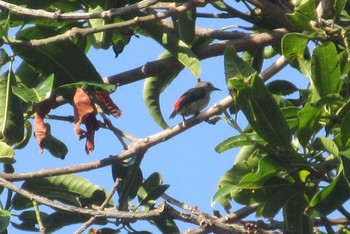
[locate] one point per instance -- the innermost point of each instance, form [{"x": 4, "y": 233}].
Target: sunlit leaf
[
  {"x": 238, "y": 141},
  {"x": 6, "y": 153},
  {"x": 37, "y": 94}
]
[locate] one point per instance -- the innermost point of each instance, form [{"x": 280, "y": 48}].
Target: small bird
[{"x": 193, "y": 100}]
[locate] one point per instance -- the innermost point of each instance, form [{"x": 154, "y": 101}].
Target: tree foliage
[{"x": 294, "y": 153}]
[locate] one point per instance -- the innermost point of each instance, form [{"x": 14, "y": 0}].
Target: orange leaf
[{"x": 105, "y": 99}]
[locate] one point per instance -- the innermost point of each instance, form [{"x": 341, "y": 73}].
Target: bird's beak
[{"x": 216, "y": 89}]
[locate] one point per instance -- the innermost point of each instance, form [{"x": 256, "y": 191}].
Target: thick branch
[
  {"x": 160, "y": 67},
  {"x": 137, "y": 147}
]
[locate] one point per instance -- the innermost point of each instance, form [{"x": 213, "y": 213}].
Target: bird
[{"x": 193, "y": 100}]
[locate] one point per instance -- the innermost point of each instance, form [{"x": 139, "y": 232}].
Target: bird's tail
[{"x": 173, "y": 114}]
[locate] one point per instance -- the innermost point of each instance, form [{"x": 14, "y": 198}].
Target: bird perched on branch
[{"x": 193, "y": 100}]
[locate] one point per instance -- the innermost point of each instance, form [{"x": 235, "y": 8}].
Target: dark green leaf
[
  {"x": 60, "y": 219},
  {"x": 345, "y": 130},
  {"x": 122, "y": 170},
  {"x": 66, "y": 188},
  {"x": 11, "y": 113},
  {"x": 4, "y": 220},
  {"x": 166, "y": 225},
  {"x": 27, "y": 135},
  {"x": 326, "y": 69},
  {"x": 53, "y": 58},
  {"x": 309, "y": 118},
  {"x": 326, "y": 144},
  {"x": 335, "y": 194},
  {"x": 56, "y": 147},
  {"x": 281, "y": 87}
]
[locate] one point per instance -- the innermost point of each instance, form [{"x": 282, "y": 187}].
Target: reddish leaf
[
  {"x": 105, "y": 100},
  {"x": 43, "y": 108},
  {"x": 84, "y": 113}
]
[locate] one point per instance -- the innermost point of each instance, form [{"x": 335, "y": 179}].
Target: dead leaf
[
  {"x": 104, "y": 99},
  {"x": 84, "y": 113},
  {"x": 43, "y": 108}
]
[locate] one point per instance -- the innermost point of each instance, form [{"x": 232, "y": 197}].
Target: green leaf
[
  {"x": 166, "y": 225},
  {"x": 122, "y": 170},
  {"x": 180, "y": 50},
  {"x": 295, "y": 220},
  {"x": 256, "y": 102},
  {"x": 6, "y": 153},
  {"x": 263, "y": 114},
  {"x": 293, "y": 48},
  {"x": 11, "y": 113},
  {"x": 151, "y": 189},
  {"x": 339, "y": 7},
  {"x": 302, "y": 16},
  {"x": 184, "y": 24},
  {"x": 53, "y": 58},
  {"x": 326, "y": 69},
  {"x": 345, "y": 130},
  {"x": 274, "y": 195},
  {"x": 335, "y": 194},
  {"x": 238, "y": 141},
  {"x": 268, "y": 167},
  {"x": 87, "y": 86},
  {"x": 309, "y": 118},
  {"x": 326, "y": 144},
  {"x": 222, "y": 193},
  {"x": 153, "y": 87},
  {"x": 38, "y": 94},
  {"x": 56, "y": 147},
  {"x": 4, "y": 220},
  {"x": 69, "y": 189},
  {"x": 255, "y": 58},
  {"x": 237, "y": 71},
  {"x": 101, "y": 39},
  {"x": 27, "y": 135}
]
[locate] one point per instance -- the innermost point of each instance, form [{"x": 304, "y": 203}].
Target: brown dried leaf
[
  {"x": 91, "y": 126},
  {"x": 104, "y": 99},
  {"x": 83, "y": 108},
  {"x": 43, "y": 108}
]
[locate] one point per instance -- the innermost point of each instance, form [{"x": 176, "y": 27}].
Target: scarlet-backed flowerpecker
[{"x": 193, "y": 100}]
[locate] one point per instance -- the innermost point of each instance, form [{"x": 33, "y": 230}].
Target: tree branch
[
  {"x": 76, "y": 32},
  {"x": 108, "y": 14},
  {"x": 141, "y": 145},
  {"x": 161, "y": 67}
]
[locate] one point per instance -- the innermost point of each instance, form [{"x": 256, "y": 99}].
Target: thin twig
[
  {"x": 276, "y": 67},
  {"x": 102, "y": 207}
]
